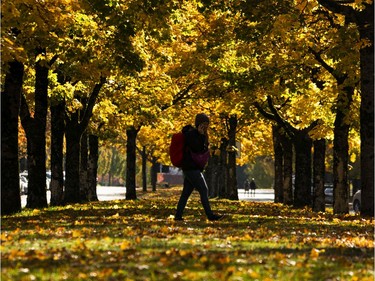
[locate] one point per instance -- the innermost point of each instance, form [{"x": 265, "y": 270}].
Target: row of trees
[{"x": 297, "y": 74}]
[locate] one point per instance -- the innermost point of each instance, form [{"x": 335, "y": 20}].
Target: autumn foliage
[{"x": 139, "y": 240}]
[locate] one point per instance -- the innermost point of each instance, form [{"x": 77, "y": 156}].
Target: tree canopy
[{"x": 155, "y": 64}]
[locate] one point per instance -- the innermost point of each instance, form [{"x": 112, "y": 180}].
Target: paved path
[
  {"x": 106, "y": 193},
  {"x": 261, "y": 195},
  {"x": 116, "y": 192}
]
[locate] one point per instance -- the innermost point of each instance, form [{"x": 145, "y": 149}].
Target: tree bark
[
  {"x": 92, "y": 167},
  {"x": 131, "y": 134},
  {"x": 212, "y": 174},
  {"x": 341, "y": 152},
  {"x": 73, "y": 138},
  {"x": 154, "y": 172},
  {"x": 319, "y": 175},
  {"x": 302, "y": 145},
  {"x": 57, "y": 156},
  {"x": 75, "y": 126},
  {"x": 364, "y": 19},
  {"x": 287, "y": 174},
  {"x": 83, "y": 178},
  {"x": 223, "y": 171},
  {"x": 35, "y": 129},
  {"x": 10, "y": 103},
  {"x": 232, "y": 154},
  {"x": 278, "y": 156},
  {"x": 302, "y": 189},
  {"x": 366, "y": 30},
  {"x": 144, "y": 169}
]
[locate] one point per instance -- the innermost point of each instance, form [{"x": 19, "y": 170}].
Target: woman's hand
[{"x": 202, "y": 128}]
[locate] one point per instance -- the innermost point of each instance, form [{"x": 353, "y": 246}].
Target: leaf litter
[{"x": 139, "y": 240}]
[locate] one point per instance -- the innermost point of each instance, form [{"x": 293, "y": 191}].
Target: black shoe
[
  {"x": 216, "y": 217},
  {"x": 178, "y": 219}
]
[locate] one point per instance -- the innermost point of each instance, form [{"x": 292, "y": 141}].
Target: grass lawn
[{"x": 139, "y": 240}]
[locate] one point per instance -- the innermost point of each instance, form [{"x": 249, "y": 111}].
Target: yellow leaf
[
  {"x": 125, "y": 245},
  {"x": 315, "y": 253},
  {"x": 82, "y": 275},
  {"x": 76, "y": 233},
  {"x": 253, "y": 274},
  {"x": 203, "y": 259},
  {"x": 116, "y": 215},
  {"x": 183, "y": 253}
]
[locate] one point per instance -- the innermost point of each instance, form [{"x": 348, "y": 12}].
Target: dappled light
[{"x": 139, "y": 240}]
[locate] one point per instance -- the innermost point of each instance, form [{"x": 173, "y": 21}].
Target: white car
[
  {"x": 48, "y": 180},
  {"x": 328, "y": 192},
  {"x": 24, "y": 181},
  {"x": 23, "y": 185},
  {"x": 357, "y": 201}
]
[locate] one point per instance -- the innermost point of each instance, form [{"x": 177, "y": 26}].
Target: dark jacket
[{"x": 194, "y": 142}]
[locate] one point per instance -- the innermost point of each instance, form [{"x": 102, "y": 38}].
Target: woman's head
[{"x": 200, "y": 119}]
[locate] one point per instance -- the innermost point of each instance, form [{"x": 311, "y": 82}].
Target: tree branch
[
  {"x": 90, "y": 104},
  {"x": 288, "y": 128},
  {"x": 336, "y": 7},
  {"x": 263, "y": 112},
  {"x": 180, "y": 96},
  {"x": 24, "y": 113},
  {"x": 338, "y": 76},
  {"x": 53, "y": 60}
]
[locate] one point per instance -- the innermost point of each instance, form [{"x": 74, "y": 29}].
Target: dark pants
[{"x": 194, "y": 179}]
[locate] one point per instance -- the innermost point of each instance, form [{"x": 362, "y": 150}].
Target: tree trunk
[
  {"x": 75, "y": 126},
  {"x": 84, "y": 188},
  {"x": 92, "y": 167},
  {"x": 364, "y": 19},
  {"x": 131, "y": 134},
  {"x": 302, "y": 145},
  {"x": 73, "y": 137},
  {"x": 57, "y": 144},
  {"x": 278, "y": 155},
  {"x": 10, "y": 103},
  {"x": 212, "y": 174},
  {"x": 366, "y": 30},
  {"x": 318, "y": 176},
  {"x": 341, "y": 153},
  {"x": 36, "y": 135},
  {"x": 302, "y": 189},
  {"x": 208, "y": 175},
  {"x": 287, "y": 174},
  {"x": 144, "y": 169},
  {"x": 223, "y": 171},
  {"x": 154, "y": 173},
  {"x": 232, "y": 154}
]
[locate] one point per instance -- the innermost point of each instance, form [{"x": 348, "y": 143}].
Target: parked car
[
  {"x": 25, "y": 175},
  {"x": 23, "y": 185},
  {"x": 48, "y": 179},
  {"x": 328, "y": 192},
  {"x": 357, "y": 201}
]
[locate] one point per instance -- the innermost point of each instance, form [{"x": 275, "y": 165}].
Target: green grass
[{"x": 138, "y": 240}]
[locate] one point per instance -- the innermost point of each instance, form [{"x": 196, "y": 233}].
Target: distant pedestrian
[
  {"x": 253, "y": 186},
  {"x": 247, "y": 186}
]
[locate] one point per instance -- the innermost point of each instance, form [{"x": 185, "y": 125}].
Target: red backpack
[{"x": 176, "y": 149}]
